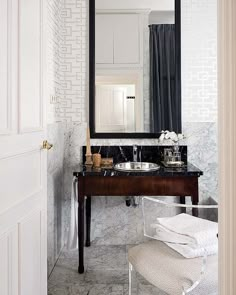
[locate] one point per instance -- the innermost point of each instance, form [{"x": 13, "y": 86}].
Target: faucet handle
[
  {"x": 140, "y": 154},
  {"x": 135, "y": 153}
]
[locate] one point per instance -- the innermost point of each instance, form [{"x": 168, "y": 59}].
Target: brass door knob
[{"x": 46, "y": 145}]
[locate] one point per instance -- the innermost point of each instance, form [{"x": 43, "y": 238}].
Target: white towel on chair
[
  {"x": 192, "y": 229},
  {"x": 166, "y": 235},
  {"x": 190, "y": 236},
  {"x": 72, "y": 239},
  {"x": 189, "y": 251}
]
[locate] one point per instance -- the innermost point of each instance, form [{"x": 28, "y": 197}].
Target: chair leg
[{"x": 130, "y": 278}]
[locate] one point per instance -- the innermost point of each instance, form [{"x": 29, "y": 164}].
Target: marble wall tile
[
  {"x": 55, "y": 200},
  {"x": 202, "y": 150}
]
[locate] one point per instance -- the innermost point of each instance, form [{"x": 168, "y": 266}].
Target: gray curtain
[{"x": 164, "y": 101}]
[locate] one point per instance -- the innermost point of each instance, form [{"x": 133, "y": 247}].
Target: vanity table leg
[
  {"x": 88, "y": 220},
  {"x": 195, "y": 198},
  {"x": 81, "y": 228}
]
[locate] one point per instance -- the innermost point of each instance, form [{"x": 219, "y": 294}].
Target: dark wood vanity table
[{"x": 180, "y": 182}]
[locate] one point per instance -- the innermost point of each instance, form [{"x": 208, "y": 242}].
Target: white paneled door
[
  {"x": 111, "y": 108},
  {"x": 23, "y": 162}
]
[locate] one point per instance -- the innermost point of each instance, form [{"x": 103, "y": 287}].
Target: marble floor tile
[
  {"x": 66, "y": 272},
  {"x": 73, "y": 254},
  {"x": 101, "y": 289},
  {"x": 106, "y": 273},
  {"x": 96, "y": 289},
  {"x": 107, "y": 257},
  {"x": 144, "y": 289},
  {"x": 106, "y": 276},
  {"x": 106, "y": 264}
]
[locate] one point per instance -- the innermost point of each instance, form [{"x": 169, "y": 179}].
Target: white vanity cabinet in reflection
[
  {"x": 104, "y": 39},
  {"x": 118, "y": 39}
]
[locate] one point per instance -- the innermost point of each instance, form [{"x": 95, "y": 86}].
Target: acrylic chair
[{"x": 165, "y": 268}]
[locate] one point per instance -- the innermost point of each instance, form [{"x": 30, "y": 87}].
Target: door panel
[
  {"x": 27, "y": 168},
  {"x": 30, "y": 75},
  {"x": 4, "y": 68},
  {"x": 9, "y": 262},
  {"x": 23, "y": 164},
  {"x": 5, "y": 265},
  {"x": 119, "y": 106},
  {"x": 111, "y": 115},
  {"x": 29, "y": 252}
]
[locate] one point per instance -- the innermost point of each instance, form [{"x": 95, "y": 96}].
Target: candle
[{"x": 88, "y": 146}]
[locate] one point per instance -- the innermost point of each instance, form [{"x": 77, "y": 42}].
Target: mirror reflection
[{"x": 135, "y": 66}]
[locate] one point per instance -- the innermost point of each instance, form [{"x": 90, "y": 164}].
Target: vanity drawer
[{"x": 138, "y": 185}]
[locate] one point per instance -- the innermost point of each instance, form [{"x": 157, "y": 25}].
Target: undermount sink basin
[{"x": 136, "y": 166}]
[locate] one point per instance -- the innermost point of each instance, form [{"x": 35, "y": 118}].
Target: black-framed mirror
[{"x": 134, "y": 69}]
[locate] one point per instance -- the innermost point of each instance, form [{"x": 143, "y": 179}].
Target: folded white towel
[
  {"x": 190, "y": 252},
  {"x": 190, "y": 229},
  {"x": 166, "y": 235},
  {"x": 190, "y": 236},
  {"x": 72, "y": 239}
]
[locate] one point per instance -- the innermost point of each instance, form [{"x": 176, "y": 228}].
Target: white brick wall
[
  {"x": 54, "y": 57},
  {"x": 74, "y": 66},
  {"x": 199, "y": 60}
]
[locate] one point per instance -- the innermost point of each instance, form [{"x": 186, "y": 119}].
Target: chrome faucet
[
  {"x": 135, "y": 153},
  {"x": 140, "y": 154}
]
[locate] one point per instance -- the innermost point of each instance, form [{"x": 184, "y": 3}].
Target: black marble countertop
[
  {"x": 188, "y": 170},
  {"x": 152, "y": 154}
]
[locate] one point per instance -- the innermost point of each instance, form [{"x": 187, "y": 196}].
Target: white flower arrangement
[{"x": 170, "y": 137}]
